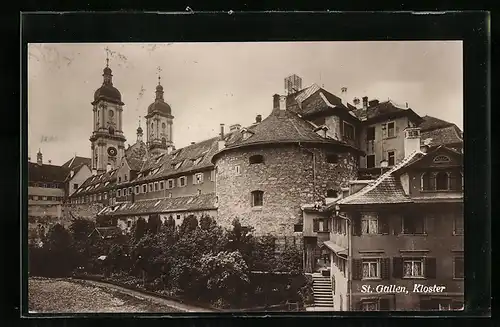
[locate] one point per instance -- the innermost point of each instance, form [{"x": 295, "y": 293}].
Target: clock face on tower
[{"x": 112, "y": 151}]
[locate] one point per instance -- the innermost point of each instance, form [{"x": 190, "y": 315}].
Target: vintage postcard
[{"x": 245, "y": 177}]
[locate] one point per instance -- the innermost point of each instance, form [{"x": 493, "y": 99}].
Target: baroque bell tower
[
  {"x": 159, "y": 122},
  {"x": 107, "y": 139}
]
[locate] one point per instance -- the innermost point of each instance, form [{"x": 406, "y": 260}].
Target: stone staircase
[{"x": 322, "y": 290}]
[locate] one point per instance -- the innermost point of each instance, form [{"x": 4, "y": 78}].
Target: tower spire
[{"x": 159, "y": 88}]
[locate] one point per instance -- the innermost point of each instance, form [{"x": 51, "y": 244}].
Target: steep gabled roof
[
  {"x": 164, "y": 205},
  {"x": 430, "y": 123},
  {"x": 383, "y": 110},
  {"x": 441, "y": 136},
  {"x": 46, "y": 173},
  {"x": 77, "y": 161},
  {"x": 384, "y": 190}
]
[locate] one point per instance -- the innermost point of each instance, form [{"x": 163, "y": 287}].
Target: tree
[
  {"x": 154, "y": 223},
  {"x": 225, "y": 275},
  {"x": 139, "y": 229},
  {"x": 189, "y": 224},
  {"x": 81, "y": 228},
  {"x": 207, "y": 222},
  {"x": 60, "y": 255}
]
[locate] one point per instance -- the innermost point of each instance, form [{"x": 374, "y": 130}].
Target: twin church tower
[{"x": 107, "y": 139}]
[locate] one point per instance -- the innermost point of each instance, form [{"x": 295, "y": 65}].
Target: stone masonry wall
[{"x": 285, "y": 177}]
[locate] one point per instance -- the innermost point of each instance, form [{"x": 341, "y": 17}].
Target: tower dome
[
  {"x": 107, "y": 91},
  {"x": 159, "y": 105}
]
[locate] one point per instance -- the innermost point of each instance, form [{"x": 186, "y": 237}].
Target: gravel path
[{"x": 47, "y": 295}]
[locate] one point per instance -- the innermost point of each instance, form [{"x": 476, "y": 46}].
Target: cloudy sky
[{"x": 211, "y": 83}]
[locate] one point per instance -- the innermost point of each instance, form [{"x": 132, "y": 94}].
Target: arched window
[
  {"x": 163, "y": 141},
  {"x": 111, "y": 130},
  {"x": 111, "y": 113},
  {"x": 331, "y": 194},
  {"x": 256, "y": 159},
  {"x": 163, "y": 125},
  {"x": 442, "y": 181},
  {"x": 441, "y": 159},
  {"x": 257, "y": 198},
  {"x": 425, "y": 182},
  {"x": 152, "y": 126}
]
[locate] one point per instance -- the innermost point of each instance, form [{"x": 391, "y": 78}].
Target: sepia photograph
[{"x": 245, "y": 177}]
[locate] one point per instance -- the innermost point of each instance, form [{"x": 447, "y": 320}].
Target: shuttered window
[{"x": 417, "y": 267}]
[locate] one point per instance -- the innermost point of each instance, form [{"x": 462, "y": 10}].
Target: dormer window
[
  {"x": 256, "y": 159},
  {"x": 246, "y": 133}
]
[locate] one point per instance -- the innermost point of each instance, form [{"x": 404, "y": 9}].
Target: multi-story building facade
[{"x": 397, "y": 244}]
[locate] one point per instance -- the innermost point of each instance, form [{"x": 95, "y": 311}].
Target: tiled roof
[
  {"x": 163, "y": 205},
  {"x": 46, "y": 173},
  {"x": 280, "y": 126},
  {"x": 193, "y": 157},
  {"x": 313, "y": 100},
  {"x": 384, "y": 190},
  {"x": 77, "y": 161},
  {"x": 430, "y": 123},
  {"x": 135, "y": 163},
  {"x": 137, "y": 151},
  {"x": 97, "y": 184},
  {"x": 386, "y": 108},
  {"x": 441, "y": 136}
]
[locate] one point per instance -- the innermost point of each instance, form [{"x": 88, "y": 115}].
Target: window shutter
[
  {"x": 430, "y": 268},
  {"x": 385, "y": 268},
  {"x": 398, "y": 224},
  {"x": 383, "y": 225},
  {"x": 194, "y": 179},
  {"x": 397, "y": 267},
  {"x": 357, "y": 269},
  {"x": 384, "y": 304},
  {"x": 356, "y": 224}
]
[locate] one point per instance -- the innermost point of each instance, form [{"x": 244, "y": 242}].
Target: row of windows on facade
[
  {"x": 402, "y": 267},
  {"x": 45, "y": 198},
  {"x": 388, "y": 131},
  {"x": 45, "y": 185},
  {"x": 145, "y": 188},
  {"x": 376, "y": 225}
]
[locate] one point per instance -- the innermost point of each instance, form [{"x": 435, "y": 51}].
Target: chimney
[
  {"x": 234, "y": 127},
  {"x": 94, "y": 171},
  {"x": 282, "y": 100},
  {"x": 356, "y": 102},
  {"x": 39, "y": 158},
  {"x": 424, "y": 148},
  {"x": 384, "y": 163},
  {"x": 276, "y": 102},
  {"x": 343, "y": 95},
  {"x": 258, "y": 119},
  {"x": 170, "y": 149},
  {"x": 29, "y": 159},
  {"x": 412, "y": 140},
  {"x": 193, "y": 143},
  {"x": 222, "y": 143},
  {"x": 71, "y": 173},
  {"x": 365, "y": 103},
  {"x": 373, "y": 103},
  {"x": 50, "y": 161}
]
